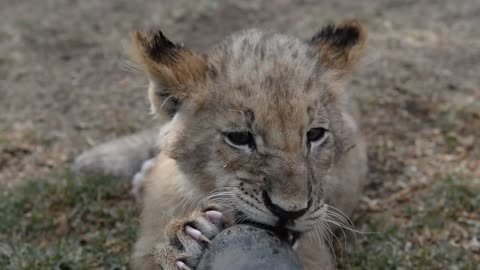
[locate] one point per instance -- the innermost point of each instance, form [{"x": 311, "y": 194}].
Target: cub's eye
[
  {"x": 317, "y": 135},
  {"x": 240, "y": 139}
]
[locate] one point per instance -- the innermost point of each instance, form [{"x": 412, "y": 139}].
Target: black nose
[{"x": 280, "y": 212}]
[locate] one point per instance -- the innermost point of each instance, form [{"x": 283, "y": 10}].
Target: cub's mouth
[
  {"x": 287, "y": 235},
  {"x": 282, "y": 232}
]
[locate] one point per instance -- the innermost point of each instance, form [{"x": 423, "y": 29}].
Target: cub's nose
[{"x": 280, "y": 212}]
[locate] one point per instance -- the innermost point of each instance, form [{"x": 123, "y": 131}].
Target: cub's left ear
[{"x": 341, "y": 46}]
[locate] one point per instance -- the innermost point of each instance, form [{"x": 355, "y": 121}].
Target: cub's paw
[{"x": 187, "y": 239}]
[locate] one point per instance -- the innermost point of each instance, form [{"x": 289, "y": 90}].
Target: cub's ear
[
  {"x": 341, "y": 46},
  {"x": 175, "y": 72}
]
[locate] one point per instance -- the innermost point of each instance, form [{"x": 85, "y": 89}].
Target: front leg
[{"x": 187, "y": 239}]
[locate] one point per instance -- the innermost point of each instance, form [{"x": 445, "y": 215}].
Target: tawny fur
[{"x": 275, "y": 86}]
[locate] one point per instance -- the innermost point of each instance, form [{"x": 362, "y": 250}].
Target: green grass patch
[
  {"x": 67, "y": 223},
  {"x": 431, "y": 231}
]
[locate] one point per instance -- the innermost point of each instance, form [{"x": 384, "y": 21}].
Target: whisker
[
  {"x": 335, "y": 238},
  {"x": 339, "y": 219},
  {"x": 347, "y": 228},
  {"x": 339, "y": 212},
  {"x": 328, "y": 239},
  {"x": 220, "y": 196}
]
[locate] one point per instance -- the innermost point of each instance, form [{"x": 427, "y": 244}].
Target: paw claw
[
  {"x": 182, "y": 266},
  {"x": 196, "y": 234},
  {"x": 205, "y": 239},
  {"x": 188, "y": 237},
  {"x": 214, "y": 216}
]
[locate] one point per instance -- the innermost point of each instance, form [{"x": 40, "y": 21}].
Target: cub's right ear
[
  {"x": 341, "y": 46},
  {"x": 175, "y": 72}
]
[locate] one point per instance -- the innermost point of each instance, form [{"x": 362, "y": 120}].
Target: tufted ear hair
[
  {"x": 341, "y": 46},
  {"x": 175, "y": 72}
]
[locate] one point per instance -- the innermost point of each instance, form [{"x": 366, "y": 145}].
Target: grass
[
  {"x": 65, "y": 223},
  {"x": 430, "y": 231}
]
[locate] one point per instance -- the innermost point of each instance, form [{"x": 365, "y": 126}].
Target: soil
[{"x": 66, "y": 84}]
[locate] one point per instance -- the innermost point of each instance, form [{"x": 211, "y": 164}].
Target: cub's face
[
  {"x": 274, "y": 150},
  {"x": 257, "y": 121}
]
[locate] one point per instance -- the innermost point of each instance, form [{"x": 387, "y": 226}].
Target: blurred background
[{"x": 67, "y": 85}]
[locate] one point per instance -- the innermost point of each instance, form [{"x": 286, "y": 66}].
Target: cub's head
[{"x": 258, "y": 118}]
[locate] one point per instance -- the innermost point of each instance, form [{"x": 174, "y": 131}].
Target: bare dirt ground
[{"x": 65, "y": 84}]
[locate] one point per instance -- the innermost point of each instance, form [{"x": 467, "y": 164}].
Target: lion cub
[{"x": 259, "y": 130}]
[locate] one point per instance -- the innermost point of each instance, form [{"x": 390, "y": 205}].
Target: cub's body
[{"x": 259, "y": 127}]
